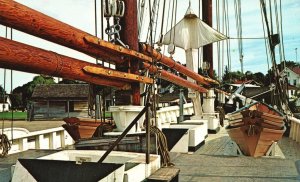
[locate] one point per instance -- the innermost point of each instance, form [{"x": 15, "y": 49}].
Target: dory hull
[
  {"x": 81, "y": 129},
  {"x": 255, "y": 145},
  {"x": 254, "y": 128}
]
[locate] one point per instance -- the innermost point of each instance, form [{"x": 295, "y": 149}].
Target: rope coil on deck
[
  {"x": 162, "y": 146},
  {"x": 4, "y": 145}
]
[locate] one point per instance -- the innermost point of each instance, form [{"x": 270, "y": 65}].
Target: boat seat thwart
[{"x": 165, "y": 174}]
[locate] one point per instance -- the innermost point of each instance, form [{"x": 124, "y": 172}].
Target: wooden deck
[{"x": 217, "y": 161}]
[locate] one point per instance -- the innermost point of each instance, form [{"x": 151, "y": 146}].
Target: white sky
[{"x": 80, "y": 14}]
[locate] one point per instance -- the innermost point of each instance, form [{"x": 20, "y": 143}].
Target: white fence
[
  {"x": 295, "y": 129},
  {"x": 53, "y": 138}
]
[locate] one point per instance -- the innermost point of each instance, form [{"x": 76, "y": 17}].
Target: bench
[{"x": 165, "y": 174}]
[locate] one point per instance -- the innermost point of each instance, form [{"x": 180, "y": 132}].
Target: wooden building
[{"x": 57, "y": 101}]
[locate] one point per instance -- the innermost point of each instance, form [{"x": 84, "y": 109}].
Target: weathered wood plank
[{"x": 165, "y": 174}]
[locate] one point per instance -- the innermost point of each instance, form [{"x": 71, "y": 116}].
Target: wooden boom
[
  {"x": 22, "y": 57},
  {"x": 180, "y": 68},
  {"x": 175, "y": 79},
  {"x": 30, "y": 21},
  {"x": 25, "y": 19}
]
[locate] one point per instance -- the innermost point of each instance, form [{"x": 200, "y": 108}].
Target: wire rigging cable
[
  {"x": 220, "y": 66},
  {"x": 238, "y": 12},
  {"x": 4, "y": 141}
]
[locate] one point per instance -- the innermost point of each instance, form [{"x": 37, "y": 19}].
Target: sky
[{"x": 80, "y": 14}]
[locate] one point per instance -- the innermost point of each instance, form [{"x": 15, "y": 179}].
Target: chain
[{"x": 114, "y": 9}]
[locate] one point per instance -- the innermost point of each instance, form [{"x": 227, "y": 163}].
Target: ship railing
[
  {"x": 170, "y": 114},
  {"x": 54, "y": 138},
  {"x": 295, "y": 128}
]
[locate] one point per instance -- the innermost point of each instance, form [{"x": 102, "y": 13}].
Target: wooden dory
[
  {"x": 85, "y": 128},
  {"x": 255, "y": 127}
]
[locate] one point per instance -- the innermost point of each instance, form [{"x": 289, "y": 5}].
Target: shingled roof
[{"x": 61, "y": 91}]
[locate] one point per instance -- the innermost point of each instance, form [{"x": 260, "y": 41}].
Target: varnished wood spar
[
  {"x": 27, "y": 20},
  {"x": 221, "y": 91},
  {"x": 175, "y": 79},
  {"x": 180, "y": 68},
  {"x": 102, "y": 44},
  {"x": 22, "y": 57},
  {"x": 117, "y": 74}
]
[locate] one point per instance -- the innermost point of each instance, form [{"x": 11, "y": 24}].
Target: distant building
[
  {"x": 57, "y": 101},
  {"x": 293, "y": 76},
  {"x": 5, "y": 104}
]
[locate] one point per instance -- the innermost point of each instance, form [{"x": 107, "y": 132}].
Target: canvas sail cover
[{"x": 192, "y": 33}]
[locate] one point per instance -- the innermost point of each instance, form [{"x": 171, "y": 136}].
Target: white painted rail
[
  {"x": 168, "y": 115},
  {"x": 53, "y": 138},
  {"x": 295, "y": 128}
]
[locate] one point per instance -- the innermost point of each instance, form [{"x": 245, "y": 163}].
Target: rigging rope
[
  {"x": 266, "y": 42},
  {"x": 11, "y": 92},
  {"x": 218, "y": 43},
  {"x": 278, "y": 29},
  {"x": 168, "y": 16},
  {"x": 281, "y": 30},
  {"x": 162, "y": 23},
  {"x": 281, "y": 99},
  {"x": 4, "y": 142},
  {"x": 237, "y": 5},
  {"x": 226, "y": 20}
]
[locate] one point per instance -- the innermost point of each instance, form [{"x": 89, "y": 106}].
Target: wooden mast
[
  {"x": 129, "y": 35},
  {"x": 208, "y": 49}
]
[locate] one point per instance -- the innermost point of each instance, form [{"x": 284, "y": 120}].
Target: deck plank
[{"x": 217, "y": 161}]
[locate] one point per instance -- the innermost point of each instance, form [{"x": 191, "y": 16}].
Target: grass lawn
[{"x": 16, "y": 115}]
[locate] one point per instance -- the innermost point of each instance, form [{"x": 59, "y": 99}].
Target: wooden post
[
  {"x": 208, "y": 49},
  {"x": 68, "y": 108},
  {"x": 48, "y": 109},
  {"x": 129, "y": 35}
]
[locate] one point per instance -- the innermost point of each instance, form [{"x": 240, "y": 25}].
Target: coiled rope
[
  {"x": 162, "y": 146},
  {"x": 4, "y": 145}
]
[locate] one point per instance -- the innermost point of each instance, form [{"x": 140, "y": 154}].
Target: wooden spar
[
  {"x": 21, "y": 57},
  {"x": 117, "y": 74},
  {"x": 208, "y": 49},
  {"x": 221, "y": 91},
  {"x": 180, "y": 68},
  {"x": 102, "y": 44},
  {"x": 27, "y": 20},
  {"x": 35, "y": 23},
  {"x": 175, "y": 79}
]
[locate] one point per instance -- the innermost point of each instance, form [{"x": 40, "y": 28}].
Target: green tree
[
  {"x": 259, "y": 77},
  {"x": 17, "y": 101},
  {"x": 27, "y": 89},
  {"x": 229, "y": 77}
]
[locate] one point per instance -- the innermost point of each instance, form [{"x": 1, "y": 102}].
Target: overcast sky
[{"x": 80, "y": 14}]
